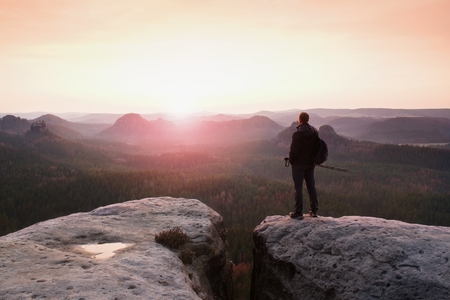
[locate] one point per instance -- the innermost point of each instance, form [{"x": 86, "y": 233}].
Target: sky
[{"x": 224, "y": 56}]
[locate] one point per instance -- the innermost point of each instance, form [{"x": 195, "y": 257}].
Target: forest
[{"x": 45, "y": 176}]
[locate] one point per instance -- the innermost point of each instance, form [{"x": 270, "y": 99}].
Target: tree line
[{"x": 44, "y": 177}]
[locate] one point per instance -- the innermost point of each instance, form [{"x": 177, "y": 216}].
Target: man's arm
[{"x": 293, "y": 151}]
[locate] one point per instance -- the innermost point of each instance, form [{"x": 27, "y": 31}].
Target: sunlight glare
[
  {"x": 187, "y": 77},
  {"x": 180, "y": 107}
]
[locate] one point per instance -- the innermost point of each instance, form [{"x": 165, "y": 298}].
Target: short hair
[{"x": 303, "y": 118}]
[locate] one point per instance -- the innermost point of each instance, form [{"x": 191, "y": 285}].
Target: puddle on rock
[{"x": 104, "y": 251}]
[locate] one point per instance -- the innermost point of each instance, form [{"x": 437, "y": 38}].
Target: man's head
[{"x": 303, "y": 118}]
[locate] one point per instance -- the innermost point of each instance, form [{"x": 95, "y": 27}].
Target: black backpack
[{"x": 321, "y": 153}]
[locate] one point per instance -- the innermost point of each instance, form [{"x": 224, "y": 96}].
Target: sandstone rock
[
  {"x": 350, "y": 258},
  {"x": 46, "y": 260}
]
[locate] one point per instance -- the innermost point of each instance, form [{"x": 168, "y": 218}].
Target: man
[{"x": 305, "y": 142}]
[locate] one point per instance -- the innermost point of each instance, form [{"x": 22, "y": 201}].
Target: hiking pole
[
  {"x": 332, "y": 168},
  {"x": 286, "y": 163}
]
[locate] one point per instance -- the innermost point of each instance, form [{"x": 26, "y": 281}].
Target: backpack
[{"x": 321, "y": 153}]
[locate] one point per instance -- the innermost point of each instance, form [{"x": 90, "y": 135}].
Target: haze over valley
[{"x": 393, "y": 126}]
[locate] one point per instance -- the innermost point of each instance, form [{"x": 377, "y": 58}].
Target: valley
[{"x": 234, "y": 164}]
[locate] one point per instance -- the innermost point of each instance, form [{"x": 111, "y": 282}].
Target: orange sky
[{"x": 231, "y": 56}]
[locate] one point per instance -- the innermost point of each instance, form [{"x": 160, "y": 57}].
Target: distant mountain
[
  {"x": 343, "y": 149},
  {"x": 408, "y": 130},
  {"x": 97, "y": 118},
  {"x": 70, "y": 130},
  {"x": 254, "y": 128},
  {"x": 45, "y": 152},
  {"x": 112, "y": 118},
  {"x": 12, "y": 124},
  {"x": 377, "y": 125},
  {"x": 132, "y": 127},
  {"x": 319, "y": 116},
  {"x": 23, "y": 115},
  {"x": 59, "y": 127},
  {"x": 285, "y": 118},
  {"x": 381, "y": 112},
  {"x": 351, "y": 126},
  {"x": 215, "y": 118},
  {"x": 284, "y": 138}
]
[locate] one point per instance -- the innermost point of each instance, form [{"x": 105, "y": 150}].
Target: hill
[
  {"x": 132, "y": 127},
  {"x": 324, "y": 116},
  {"x": 408, "y": 130},
  {"x": 360, "y": 124},
  {"x": 352, "y": 127},
  {"x": 12, "y": 124},
  {"x": 381, "y": 112},
  {"x": 232, "y": 131},
  {"x": 42, "y": 150},
  {"x": 71, "y": 130}
]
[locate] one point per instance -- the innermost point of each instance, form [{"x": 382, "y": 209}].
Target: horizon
[
  {"x": 321, "y": 112},
  {"x": 229, "y": 57}
]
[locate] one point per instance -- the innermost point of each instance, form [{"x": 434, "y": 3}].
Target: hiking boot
[
  {"x": 295, "y": 215},
  {"x": 313, "y": 214}
]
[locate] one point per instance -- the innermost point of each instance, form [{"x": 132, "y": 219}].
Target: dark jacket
[{"x": 303, "y": 146}]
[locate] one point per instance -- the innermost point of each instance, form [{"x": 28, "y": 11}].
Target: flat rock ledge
[
  {"x": 349, "y": 258},
  {"x": 46, "y": 260}
]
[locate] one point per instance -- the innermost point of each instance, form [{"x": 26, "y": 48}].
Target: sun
[
  {"x": 181, "y": 107},
  {"x": 184, "y": 80}
]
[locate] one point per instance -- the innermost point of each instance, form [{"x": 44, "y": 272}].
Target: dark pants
[{"x": 299, "y": 173}]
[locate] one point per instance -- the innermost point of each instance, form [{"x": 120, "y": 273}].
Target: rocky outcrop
[
  {"x": 12, "y": 124},
  {"x": 54, "y": 259},
  {"x": 38, "y": 126},
  {"x": 349, "y": 258}
]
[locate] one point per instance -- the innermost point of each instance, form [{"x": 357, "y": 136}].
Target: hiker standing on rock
[{"x": 303, "y": 146}]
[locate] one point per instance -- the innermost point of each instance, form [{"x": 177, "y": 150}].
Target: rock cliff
[
  {"x": 349, "y": 258},
  {"x": 63, "y": 258}
]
